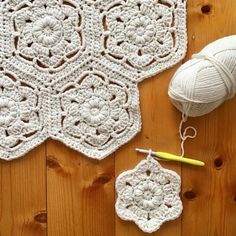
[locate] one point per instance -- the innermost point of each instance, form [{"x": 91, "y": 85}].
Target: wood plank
[
  {"x": 209, "y": 193},
  {"x": 159, "y": 132},
  {"x": 80, "y": 193},
  {"x": 23, "y": 195}
]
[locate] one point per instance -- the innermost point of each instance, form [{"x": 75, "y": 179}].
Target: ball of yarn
[{"x": 207, "y": 80}]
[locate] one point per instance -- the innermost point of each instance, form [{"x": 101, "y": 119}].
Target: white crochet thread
[
  {"x": 205, "y": 82},
  {"x": 20, "y": 120},
  {"x": 81, "y": 62},
  {"x": 147, "y": 36},
  {"x": 148, "y": 195},
  {"x": 185, "y": 134}
]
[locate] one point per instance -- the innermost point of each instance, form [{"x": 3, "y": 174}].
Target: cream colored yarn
[
  {"x": 205, "y": 82},
  {"x": 69, "y": 69},
  {"x": 148, "y": 195}
]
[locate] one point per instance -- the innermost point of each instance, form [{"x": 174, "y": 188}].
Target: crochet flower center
[
  {"x": 148, "y": 195},
  {"x": 47, "y": 31},
  {"x": 8, "y": 111},
  {"x": 140, "y": 30},
  {"x": 95, "y": 111}
]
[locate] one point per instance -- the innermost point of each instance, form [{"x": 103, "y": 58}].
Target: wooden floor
[{"x": 55, "y": 191}]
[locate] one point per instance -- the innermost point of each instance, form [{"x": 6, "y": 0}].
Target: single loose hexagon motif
[{"x": 148, "y": 195}]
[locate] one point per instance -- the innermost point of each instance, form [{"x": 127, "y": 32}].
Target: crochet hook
[{"x": 171, "y": 157}]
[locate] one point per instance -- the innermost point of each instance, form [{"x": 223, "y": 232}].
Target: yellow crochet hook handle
[{"x": 171, "y": 157}]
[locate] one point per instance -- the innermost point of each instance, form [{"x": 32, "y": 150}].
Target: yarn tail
[{"x": 183, "y": 133}]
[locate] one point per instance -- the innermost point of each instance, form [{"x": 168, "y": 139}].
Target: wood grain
[
  {"x": 80, "y": 193},
  {"x": 56, "y": 191},
  {"x": 23, "y": 195},
  {"x": 209, "y": 193}
]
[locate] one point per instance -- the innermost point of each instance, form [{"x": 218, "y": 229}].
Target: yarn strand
[{"x": 183, "y": 133}]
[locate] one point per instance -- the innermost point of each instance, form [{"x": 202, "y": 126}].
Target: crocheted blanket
[{"x": 69, "y": 69}]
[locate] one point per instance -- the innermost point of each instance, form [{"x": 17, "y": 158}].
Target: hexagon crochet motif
[
  {"x": 69, "y": 69},
  {"x": 148, "y": 195}
]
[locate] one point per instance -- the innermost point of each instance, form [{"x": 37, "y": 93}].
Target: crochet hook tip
[
  {"x": 145, "y": 151},
  {"x": 141, "y": 150}
]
